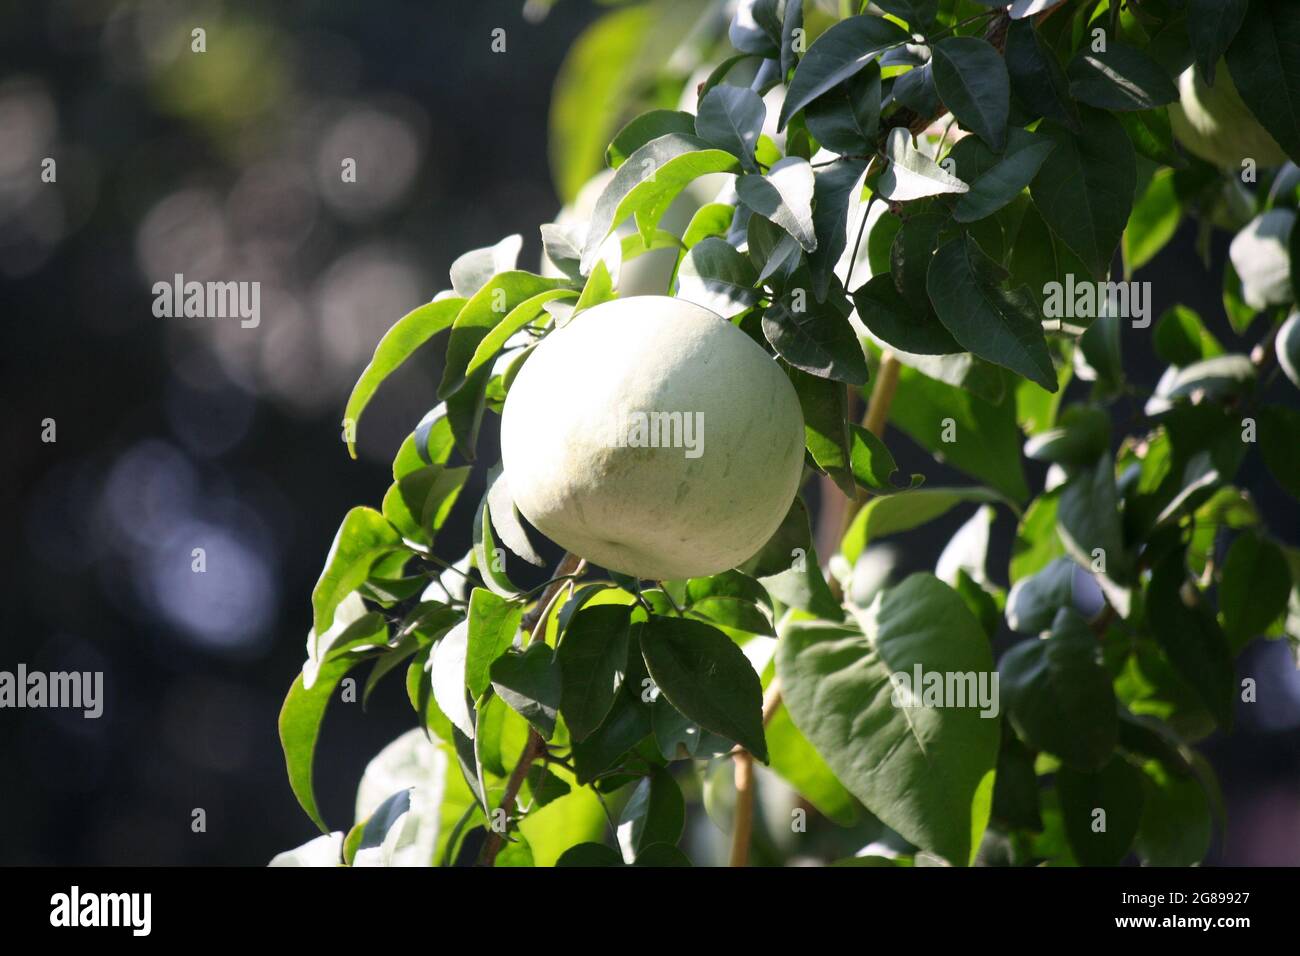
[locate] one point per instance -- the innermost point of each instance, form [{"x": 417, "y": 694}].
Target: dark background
[{"x": 181, "y": 433}]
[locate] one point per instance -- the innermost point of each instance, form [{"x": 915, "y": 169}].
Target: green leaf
[
  {"x": 644, "y": 128},
  {"x": 488, "y": 557},
  {"x": 408, "y": 334},
  {"x": 999, "y": 325},
  {"x": 516, "y": 319},
  {"x": 1084, "y": 190},
  {"x": 1036, "y": 541},
  {"x": 1254, "y": 590},
  {"x": 300, "y": 720},
  {"x": 707, "y": 678},
  {"x": 1261, "y": 257},
  {"x": 625, "y": 727},
  {"x": 731, "y": 118},
  {"x": 493, "y": 304},
  {"x": 654, "y": 814},
  {"x": 418, "y": 503},
  {"x": 816, "y": 338},
  {"x": 1088, "y": 520},
  {"x": 647, "y": 183},
  {"x": 1279, "y": 444},
  {"x": 1211, "y": 26},
  {"x": 1153, "y": 222},
  {"x": 1153, "y": 136},
  {"x": 589, "y": 855},
  {"x": 912, "y": 251},
  {"x": 837, "y": 55},
  {"x": 1058, "y": 695},
  {"x": 834, "y": 189},
  {"x": 774, "y": 251},
  {"x": 873, "y": 465},
  {"x": 1082, "y": 434},
  {"x": 1116, "y": 791},
  {"x": 1004, "y": 182},
  {"x": 713, "y": 274},
  {"x": 529, "y": 681},
  {"x": 972, "y": 81},
  {"x": 505, "y": 517},
  {"x": 797, "y": 762},
  {"x": 904, "y": 511},
  {"x": 1287, "y": 346},
  {"x": 711, "y": 219},
  {"x": 963, "y": 429},
  {"x": 846, "y": 118},
  {"x": 472, "y": 270},
  {"x": 898, "y": 323},
  {"x": 1176, "y": 826},
  {"x": 925, "y": 771},
  {"x": 1121, "y": 78},
  {"x": 911, "y": 174},
  {"x": 918, "y": 13},
  {"x": 1035, "y": 598},
  {"x": 363, "y": 537},
  {"x": 593, "y": 660},
  {"x": 1037, "y": 79},
  {"x": 493, "y": 623},
  {"x": 1191, "y": 638},
  {"x": 1264, "y": 60},
  {"x": 784, "y": 196},
  {"x": 1182, "y": 339}
]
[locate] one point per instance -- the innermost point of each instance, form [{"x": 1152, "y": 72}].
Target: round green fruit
[
  {"x": 653, "y": 438},
  {"x": 1213, "y": 123}
]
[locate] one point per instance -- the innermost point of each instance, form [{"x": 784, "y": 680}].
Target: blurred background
[{"x": 177, "y": 433}]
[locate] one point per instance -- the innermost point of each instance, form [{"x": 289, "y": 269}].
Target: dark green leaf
[
  {"x": 529, "y": 681},
  {"x": 1093, "y": 171},
  {"x": 1058, "y": 695},
  {"x": 493, "y": 623},
  {"x": 1211, "y": 25},
  {"x": 815, "y": 337},
  {"x": 1037, "y": 79},
  {"x": 706, "y": 677},
  {"x": 837, "y": 55},
  {"x": 1264, "y": 60},
  {"x": 713, "y": 274},
  {"x": 1004, "y": 182},
  {"x": 644, "y": 128},
  {"x": 925, "y": 771},
  {"x": 1101, "y": 811},
  {"x": 1000, "y": 325},
  {"x": 784, "y": 196},
  {"x": 972, "y": 82},
  {"x": 655, "y": 813},
  {"x": 833, "y": 191},
  {"x": 1119, "y": 78},
  {"x": 846, "y": 118},
  {"x": 731, "y": 118},
  {"x": 593, "y": 660},
  {"x": 1190, "y": 636},
  {"x": 1254, "y": 589}
]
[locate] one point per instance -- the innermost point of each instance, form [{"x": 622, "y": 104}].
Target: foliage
[{"x": 908, "y": 188}]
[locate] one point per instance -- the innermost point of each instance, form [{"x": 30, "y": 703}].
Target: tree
[{"x": 932, "y": 193}]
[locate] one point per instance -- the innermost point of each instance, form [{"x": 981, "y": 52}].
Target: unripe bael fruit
[
  {"x": 581, "y": 418},
  {"x": 1214, "y": 124}
]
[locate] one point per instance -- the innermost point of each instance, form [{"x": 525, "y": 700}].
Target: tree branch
[{"x": 533, "y": 624}]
